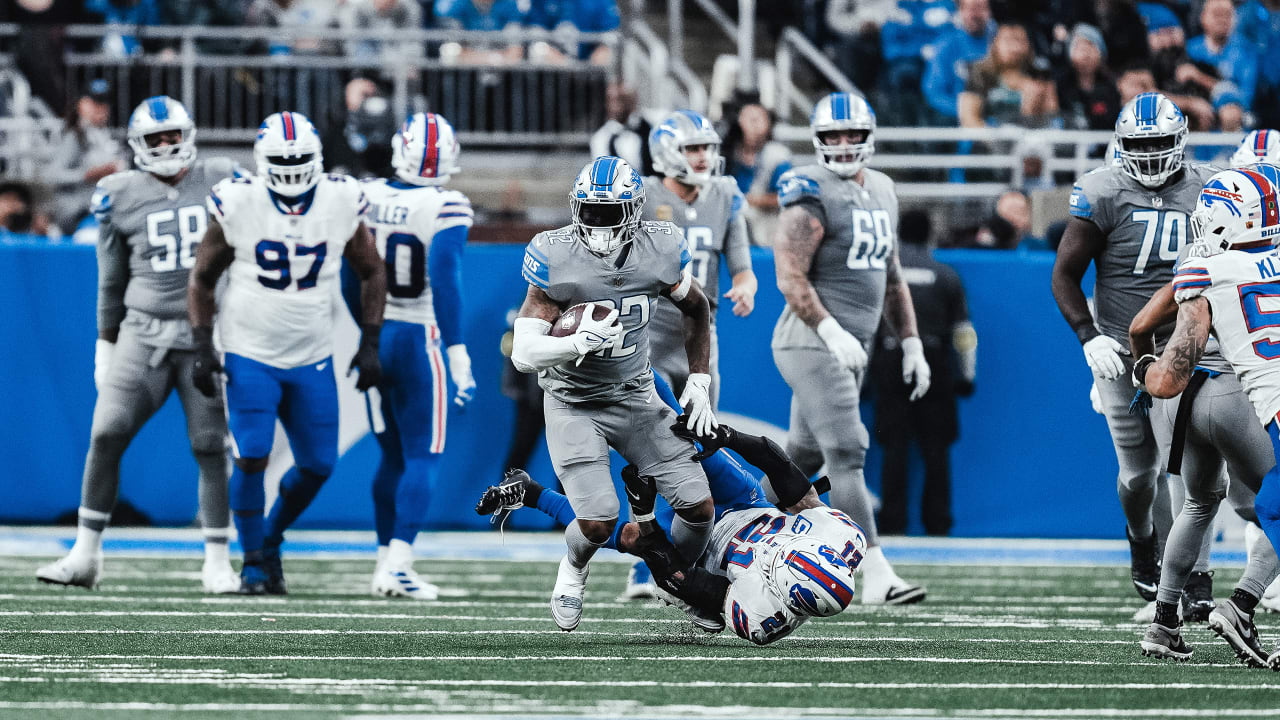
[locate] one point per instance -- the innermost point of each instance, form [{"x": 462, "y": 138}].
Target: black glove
[
  {"x": 642, "y": 490},
  {"x": 720, "y": 437},
  {"x": 206, "y": 367},
  {"x": 366, "y": 359}
]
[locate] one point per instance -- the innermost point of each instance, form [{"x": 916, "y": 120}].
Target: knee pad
[
  {"x": 1144, "y": 481},
  {"x": 703, "y": 512},
  {"x": 806, "y": 457},
  {"x": 848, "y": 456},
  {"x": 208, "y": 443}
]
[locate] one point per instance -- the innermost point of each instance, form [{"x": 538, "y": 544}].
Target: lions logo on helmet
[
  {"x": 843, "y": 111},
  {"x": 288, "y": 154},
  {"x": 1237, "y": 210},
  {"x": 1151, "y": 133},
  {"x": 1259, "y": 146},
  {"x": 156, "y": 115},
  {"x": 425, "y": 151},
  {"x": 605, "y": 203},
  {"x": 815, "y": 581},
  {"x": 671, "y": 140}
]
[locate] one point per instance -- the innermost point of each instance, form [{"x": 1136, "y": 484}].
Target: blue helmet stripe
[
  {"x": 839, "y": 106},
  {"x": 159, "y": 110},
  {"x": 602, "y": 173}
]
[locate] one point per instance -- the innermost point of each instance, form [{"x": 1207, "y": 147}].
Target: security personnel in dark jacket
[{"x": 950, "y": 346}]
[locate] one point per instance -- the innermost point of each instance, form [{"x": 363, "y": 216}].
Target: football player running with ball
[
  {"x": 1130, "y": 220},
  {"x": 281, "y": 235},
  {"x": 599, "y": 388},
  {"x": 150, "y": 222},
  {"x": 837, "y": 265},
  {"x": 421, "y": 229}
]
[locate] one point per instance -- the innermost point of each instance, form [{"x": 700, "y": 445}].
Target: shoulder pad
[
  {"x": 537, "y": 264},
  {"x": 1192, "y": 279},
  {"x": 878, "y": 177},
  {"x": 794, "y": 187},
  {"x": 103, "y": 197}
]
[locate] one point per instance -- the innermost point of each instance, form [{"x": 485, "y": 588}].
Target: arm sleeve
[
  {"x": 737, "y": 247},
  {"x": 444, "y": 264},
  {"x": 113, "y": 263},
  {"x": 788, "y": 481},
  {"x": 533, "y": 350}
]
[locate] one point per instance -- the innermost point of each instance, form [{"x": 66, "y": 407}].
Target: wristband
[
  {"x": 643, "y": 518},
  {"x": 1141, "y": 367}
]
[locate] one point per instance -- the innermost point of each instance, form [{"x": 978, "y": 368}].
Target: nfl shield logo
[{"x": 1157, "y": 202}]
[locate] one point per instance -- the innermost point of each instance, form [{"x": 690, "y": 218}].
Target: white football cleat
[
  {"x": 890, "y": 590},
  {"x": 1271, "y": 598},
  {"x": 566, "y": 596},
  {"x": 219, "y": 578},
  {"x": 390, "y": 581},
  {"x": 640, "y": 585},
  {"x": 78, "y": 569}
]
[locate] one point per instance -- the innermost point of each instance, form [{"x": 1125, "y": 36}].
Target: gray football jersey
[
  {"x": 630, "y": 280},
  {"x": 1144, "y": 229},
  {"x": 148, "y": 233},
  {"x": 713, "y": 226},
  {"x": 860, "y": 227}
]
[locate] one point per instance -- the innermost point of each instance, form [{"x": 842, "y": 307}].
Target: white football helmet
[
  {"x": 425, "y": 151},
  {"x": 288, "y": 153},
  {"x": 843, "y": 111},
  {"x": 1259, "y": 146},
  {"x": 155, "y": 115},
  {"x": 605, "y": 202},
  {"x": 811, "y": 576},
  {"x": 1151, "y": 133},
  {"x": 668, "y": 140},
  {"x": 1237, "y": 210}
]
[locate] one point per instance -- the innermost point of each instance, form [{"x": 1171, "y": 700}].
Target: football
[{"x": 567, "y": 323}]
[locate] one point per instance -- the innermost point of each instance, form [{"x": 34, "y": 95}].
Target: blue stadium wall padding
[{"x": 1032, "y": 459}]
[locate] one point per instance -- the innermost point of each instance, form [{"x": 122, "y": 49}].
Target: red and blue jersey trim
[{"x": 740, "y": 624}]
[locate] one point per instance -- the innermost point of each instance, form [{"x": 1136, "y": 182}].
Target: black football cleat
[
  {"x": 1144, "y": 565},
  {"x": 501, "y": 500},
  {"x": 271, "y": 564},
  {"x": 1197, "y": 597},
  {"x": 253, "y": 579}
]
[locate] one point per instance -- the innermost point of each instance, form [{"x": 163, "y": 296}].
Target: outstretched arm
[
  {"x": 213, "y": 257},
  {"x": 1168, "y": 375},
  {"x": 362, "y": 253},
  {"x": 799, "y": 235}
]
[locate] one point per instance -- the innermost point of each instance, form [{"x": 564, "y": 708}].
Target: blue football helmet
[
  {"x": 1259, "y": 146},
  {"x": 156, "y": 115},
  {"x": 288, "y": 153},
  {"x": 843, "y": 111},
  {"x": 425, "y": 151},
  {"x": 677, "y": 131},
  {"x": 1237, "y": 209},
  {"x": 605, "y": 203},
  {"x": 1151, "y": 133}
]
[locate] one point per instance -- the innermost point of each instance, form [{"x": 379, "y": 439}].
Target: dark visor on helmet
[
  {"x": 601, "y": 214},
  {"x": 302, "y": 159}
]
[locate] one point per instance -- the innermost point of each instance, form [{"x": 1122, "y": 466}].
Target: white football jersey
[
  {"x": 1243, "y": 290},
  {"x": 404, "y": 219},
  {"x": 278, "y": 305}
]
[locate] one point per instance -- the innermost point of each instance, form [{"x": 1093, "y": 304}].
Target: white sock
[
  {"x": 216, "y": 552},
  {"x": 88, "y": 540},
  {"x": 382, "y": 555},
  {"x": 399, "y": 554},
  {"x": 874, "y": 565}
]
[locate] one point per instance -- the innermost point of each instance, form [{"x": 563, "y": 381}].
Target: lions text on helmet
[
  {"x": 605, "y": 203},
  {"x": 1151, "y": 133},
  {"x": 687, "y": 148},
  {"x": 425, "y": 151},
  {"x": 162, "y": 136},
  {"x": 843, "y": 125},
  {"x": 288, "y": 154}
]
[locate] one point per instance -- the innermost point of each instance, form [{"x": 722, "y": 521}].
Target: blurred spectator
[
  {"x": 1048, "y": 22},
  {"x": 1123, "y": 29},
  {"x": 385, "y": 15},
  {"x": 1087, "y": 94},
  {"x": 124, "y": 12},
  {"x": 909, "y": 38},
  {"x": 359, "y": 142},
  {"x": 1133, "y": 82},
  {"x": 1008, "y": 228},
  {"x": 966, "y": 43},
  {"x": 567, "y": 18},
  {"x": 1260, "y": 25},
  {"x": 16, "y": 214},
  {"x": 626, "y": 133},
  {"x": 297, "y": 17},
  {"x": 1177, "y": 76},
  {"x": 86, "y": 153},
  {"x": 488, "y": 15},
  {"x": 39, "y": 49},
  {"x": 205, "y": 13},
  {"x": 950, "y": 346},
  {"x": 1232, "y": 57},
  {"x": 855, "y": 27},
  {"x": 757, "y": 162},
  {"x": 1034, "y": 153},
  {"x": 1004, "y": 88}
]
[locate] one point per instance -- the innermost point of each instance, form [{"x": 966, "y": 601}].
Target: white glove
[
  {"x": 102, "y": 353},
  {"x": 460, "y": 373},
  {"x": 594, "y": 335},
  {"x": 843, "y": 345},
  {"x": 1095, "y": 399},
  {"x": 914, "y": 367},
  {"x": 696, "y": 401},
  {"x": 1103, "y": 356}
]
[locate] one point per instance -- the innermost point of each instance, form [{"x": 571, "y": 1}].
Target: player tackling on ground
[
  {"x": 150, "y": 222},
  {"x": 837, "y": 265},
  {"x": 281, "y": 235},
  {"x": 599, "y": 388}
]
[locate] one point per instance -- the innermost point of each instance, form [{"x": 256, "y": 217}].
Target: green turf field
[{"x": 1003, "y": 641}]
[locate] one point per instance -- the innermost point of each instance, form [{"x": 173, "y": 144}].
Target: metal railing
[
  {"x": 791, "y": 44},
  {"x": 660, "y": 81},
  {"x": 531, "y": 101}
]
